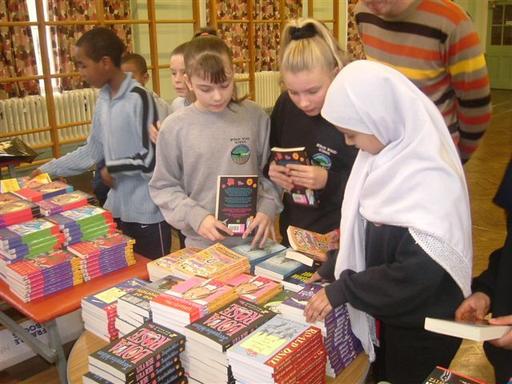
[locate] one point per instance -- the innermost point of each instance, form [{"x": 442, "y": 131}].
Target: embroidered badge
[{"x": 240, "y": 154}]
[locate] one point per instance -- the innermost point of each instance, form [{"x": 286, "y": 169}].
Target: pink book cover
[
  {"x": 252, "y": 288},
  {"x": 200, "y": 291}
]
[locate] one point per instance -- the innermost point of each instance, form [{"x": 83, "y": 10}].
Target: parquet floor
[{"x": 484, "y": 172}]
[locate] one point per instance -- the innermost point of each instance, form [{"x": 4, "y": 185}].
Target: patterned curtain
[
  {"x": 64, "y": 37},
  {"x": 267, "y": 35},
  {"x": 17, "y": 56},
  {"x": 355, "y": 49}
]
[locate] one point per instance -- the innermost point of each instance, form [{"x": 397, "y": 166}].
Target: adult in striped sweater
[{"x": 434, "y": 44}]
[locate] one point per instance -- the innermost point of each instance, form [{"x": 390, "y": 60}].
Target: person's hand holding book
[
  {"x": 505, "y": 341},
  {"x": 213, "y": 229},
  {"x": 474, "y": 308},
  {"x": 308, "y": 176},
  {"x": 279, "y": 174}
]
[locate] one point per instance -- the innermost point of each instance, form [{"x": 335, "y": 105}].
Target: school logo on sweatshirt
[
  {"x": 322, "y": 160},
  {"x": 240, "y": 154}
]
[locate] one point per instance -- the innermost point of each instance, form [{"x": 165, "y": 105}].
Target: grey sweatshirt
[
  {"x": 119, "y": 134},
  {"x": 193, "y": 148}
]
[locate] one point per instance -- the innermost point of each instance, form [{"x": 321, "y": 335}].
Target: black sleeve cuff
[
  {"x": 326, "y": 270},
  {"x": 334, "y": 292}
]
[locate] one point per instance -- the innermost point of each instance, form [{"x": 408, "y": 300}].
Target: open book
[
  {"x": 477, "y": 331},
  {"x": 308, "y": 246}
]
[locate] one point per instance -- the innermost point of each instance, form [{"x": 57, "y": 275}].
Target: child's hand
[
  {"x": 36, "y": 172},
  {"x": 211, "y": 228},
  {"x": 318, "y": 307},
  {"x": 264, "y": 225},
  {"x": 153, "y": 132},
  {"x": 279, "y": 175},
  {"x": 107, "y": 178},
  {"x": 308, "y": 176},
  {"x": 314, "y": 277},
  {"x": 474, "y": 308},
  {"x": 504, "y": 341},
  {"x": 334, "y": 239}
]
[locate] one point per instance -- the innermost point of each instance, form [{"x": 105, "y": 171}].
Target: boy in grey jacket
[{"x": 119, "y": 135}]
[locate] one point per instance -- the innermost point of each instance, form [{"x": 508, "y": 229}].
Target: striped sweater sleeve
[
  {"x": 470, "y": 82},
  {"x": 144, "y": 160}
]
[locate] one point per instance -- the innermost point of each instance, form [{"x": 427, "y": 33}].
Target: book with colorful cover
[
  {"x": 226, "y": 326},
  {"x": 256, "y": 289},
  {"x": 101, "y": 245},
  {"x": 16, "y": 183},
  {"x": 106, "y": 299},
  {"x": 213, "y": 261},
  {"x": 138, "y": 301},
  {"x": 88, "y": 214},
  {"x": 205, "y": 294},
  {"x": 278, "y": 267},
  {"x": 298, "y": 280},
  {"x": 41, "y": 265},
  {"x": 265, "y": 348},
  {"x": 274, "y": 303},
  {"x": 257, "y": 255},
  {"x": 164, "y": 266},
  {"x": 65, "y": 202},
  {"x": 44, "y": 191},
  {"x": 298, "y": 301},
  {"x": 128, "y": 357},
  {"x": 308, "y": 246},
  {"x": 442, "y": 375},
  {"x": 236, "y": 201},
  {"x": 14, "y": 210},
  {"x": 27, "y": 232},
  {"x": 297, "y": 155}
]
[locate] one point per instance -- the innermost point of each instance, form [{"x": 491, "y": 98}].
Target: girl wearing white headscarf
[{"x": 405, "y": 247}]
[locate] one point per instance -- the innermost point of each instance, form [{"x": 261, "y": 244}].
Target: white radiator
[
  {"x": 18, "y": 115},
  {"x": 267, "y": 87}
]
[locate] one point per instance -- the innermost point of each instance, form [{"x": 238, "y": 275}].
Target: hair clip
[{"x": 304, "y": 32}]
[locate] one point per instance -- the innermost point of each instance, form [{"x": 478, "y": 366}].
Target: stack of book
[
  {"x": 278, "y": 267},
  {"x": 258, "y": 255},
  {"x": 99, "y": 310},
  {"x": 43, "y": 191},
  {"x": 217, "y": 262},
  {"x": 133, "y": 309},
  {"x": 65, "y": 202},
  {"x": 164, "y": 265},
  {"x": 104, "y": 254},
  {"x": 279, "y": 351},
  {"x": 341, "y": 344},
  {"x": 14, "y": 210},
  {"x": 256, "y": 289},
  {"x": 210, "y": 337},
  {"x": 149, "y": 354},
  {"x": 28, "y": 239},
  {"x": 190, "y": 300},
  {"x": 43, "y": 275},
  {"x": 84, "y": 223}
]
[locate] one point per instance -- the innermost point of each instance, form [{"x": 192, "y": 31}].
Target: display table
[
  {"x": 89, "y": 343},
  {"x": 45, "y": 311}
]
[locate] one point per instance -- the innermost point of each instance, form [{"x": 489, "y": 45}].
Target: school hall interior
[{"x": 44, "y": 102}]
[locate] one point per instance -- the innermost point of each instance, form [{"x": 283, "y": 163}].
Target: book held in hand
[
  {"x": 476, "y": 331},
  {"x": 236, "y": 201},
  {"x": 308, "y": 246},
  {"x": 445, "y": 376},
  {"x": 297, "y": 155}
]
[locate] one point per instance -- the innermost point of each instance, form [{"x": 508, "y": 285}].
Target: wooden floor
[{"x": 484, "y": 172}]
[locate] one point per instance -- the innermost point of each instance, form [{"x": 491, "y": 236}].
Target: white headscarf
[{"x": 416, "y": 181}]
